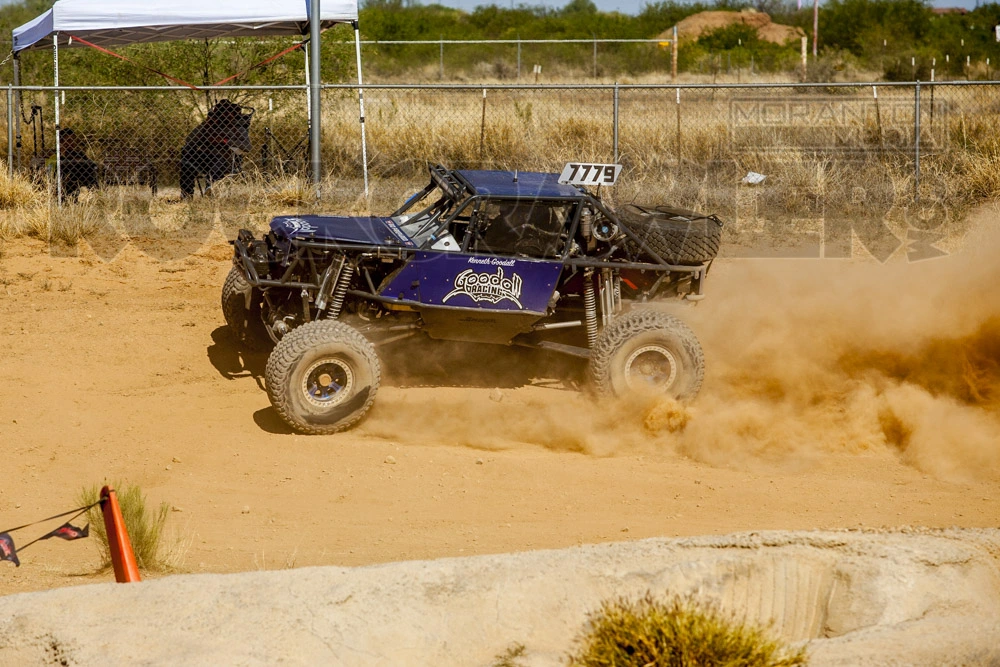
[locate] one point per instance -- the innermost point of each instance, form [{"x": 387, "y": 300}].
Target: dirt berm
[
  {"x": 909, "y": 597},
  {"x": 696, "y": 25}
]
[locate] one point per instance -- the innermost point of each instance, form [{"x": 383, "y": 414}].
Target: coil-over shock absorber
[
  {"x": 590, "y": 306},
  {"x": 339, "y": 292}
]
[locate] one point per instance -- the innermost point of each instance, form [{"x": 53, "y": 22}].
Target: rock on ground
[{"x": 910, "y": 596}]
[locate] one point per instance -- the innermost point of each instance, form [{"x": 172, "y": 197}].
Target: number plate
[{"x": 582, "y": 173}]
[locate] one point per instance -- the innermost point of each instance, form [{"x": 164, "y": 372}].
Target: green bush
[
  {"x": 877, "y": 32},
  {"x": 675, "y": 633}
]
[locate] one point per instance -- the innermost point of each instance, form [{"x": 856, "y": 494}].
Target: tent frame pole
[
  {"x": 314, "y": 90},
  {"x": 55, "y": 70},
  {"x": 361, "y": 105}
]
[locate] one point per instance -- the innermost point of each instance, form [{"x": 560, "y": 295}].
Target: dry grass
[
  {"x": 982, "y": 177},
  {"x": 511, "y": 657},
  {"x": 863, "y": 163},
  {"x": 145, "y": 528},
  {"x": 863, "y": 168},
  {"x": 675, "y": 633},
  {"x": 17, "y": 192}
]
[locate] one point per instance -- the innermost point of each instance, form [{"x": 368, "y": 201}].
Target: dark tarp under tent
[{"x": 107, "y": 23}]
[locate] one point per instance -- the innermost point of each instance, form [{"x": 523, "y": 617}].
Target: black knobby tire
[
  {"x": 246, "y": 324},
  {"x": 322, "y": 377},
  {"x": 645, "y": 350},
  {"x": 677, "y": 236}
]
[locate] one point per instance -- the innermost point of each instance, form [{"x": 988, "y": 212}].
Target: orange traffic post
[{"x": 120, "y": 546}]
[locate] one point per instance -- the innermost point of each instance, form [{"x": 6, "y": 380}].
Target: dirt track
[{"x": 839, "y": 394}]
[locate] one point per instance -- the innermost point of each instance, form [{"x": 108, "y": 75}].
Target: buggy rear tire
[
  {"x": 678, "y": 236},
  {"x": 245, "y": 323},
  {"x": 322, "y": 377},
  {"x": 647, "y": 351}
]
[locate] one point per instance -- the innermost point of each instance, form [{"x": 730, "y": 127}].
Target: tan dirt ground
[{"x": 839, "y": 394}]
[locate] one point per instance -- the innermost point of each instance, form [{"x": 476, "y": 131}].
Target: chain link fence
[
  {"x": 876, "y": 162},
  {"x": 174, "y": 138}
]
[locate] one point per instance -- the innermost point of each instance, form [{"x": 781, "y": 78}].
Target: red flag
[
  {"x": 68, "y": 531},
  {"x": 7, "y": 550}
]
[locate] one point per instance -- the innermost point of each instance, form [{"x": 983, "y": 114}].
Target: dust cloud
[
  {"x": 494, "y": 398},
  {"x": 823, "y": 356},
  {"x": 806, "y": 359}
]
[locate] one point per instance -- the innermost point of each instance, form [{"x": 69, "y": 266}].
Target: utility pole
[
  {"x": 815, "y": 26},
  {"x": 673, "y": 57}
]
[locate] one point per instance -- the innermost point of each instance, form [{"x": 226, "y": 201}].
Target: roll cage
[{"x": 307, "y": 264}]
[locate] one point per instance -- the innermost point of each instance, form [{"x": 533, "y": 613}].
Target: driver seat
[{"x": 525, "y": 229}]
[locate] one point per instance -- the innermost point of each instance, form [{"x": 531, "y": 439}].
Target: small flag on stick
[
  {"x": 7, "y": 550},
  {"x": 68, "y": 531}
]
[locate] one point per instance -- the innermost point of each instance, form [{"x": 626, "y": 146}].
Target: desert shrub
[
  {"x": 675, "y": 633},
  {"x": 904, "y": 69},
  {"x": 145, "y": 527},
  {"x": 982, "y": 177},
  {"x": 17, "y": 191},
  {"x": 511, "y": 657}
]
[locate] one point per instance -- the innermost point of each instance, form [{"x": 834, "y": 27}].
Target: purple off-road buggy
[{"x": 511, "y": 258}]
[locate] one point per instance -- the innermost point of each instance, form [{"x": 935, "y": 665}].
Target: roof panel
[
  {"x": 116, "y": 22},
  {"x": 523, "y": 184}
]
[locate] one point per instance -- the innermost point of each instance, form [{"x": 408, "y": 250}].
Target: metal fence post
[
  {"x": 916, "y": 142},
  {"x": 518, "y": 57},
  {"x": 616, "y": 122},
  {"x": 315, "y": 106},
  {"x": 595, "y": 56},
  {"x": 17, "y": 118},
  {"x": 441, "y": 58},
  {"x": 482, "y": 130},
  {"x": 678, "y": 128},
  {"x": 10, "y": 130}
]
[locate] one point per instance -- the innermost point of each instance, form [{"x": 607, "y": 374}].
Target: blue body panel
[
  {"x": 360, "y": 229},
  {"x": 487, "y": 282},
  {"x": 528, "y": 185}
]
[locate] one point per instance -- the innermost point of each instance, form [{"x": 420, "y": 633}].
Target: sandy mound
[
  {"x": 913, "y": 597},
  {"x": 698, "y": 24}
]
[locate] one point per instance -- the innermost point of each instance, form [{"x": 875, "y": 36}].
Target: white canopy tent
[{"x": 108, "y": 23}]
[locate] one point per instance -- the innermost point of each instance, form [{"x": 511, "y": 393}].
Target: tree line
[{"x": 899, "y": 38}]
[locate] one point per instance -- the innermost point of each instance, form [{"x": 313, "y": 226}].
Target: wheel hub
[
  {"x": 328, "y": 382},
  {"x": 652, "y": 366}
]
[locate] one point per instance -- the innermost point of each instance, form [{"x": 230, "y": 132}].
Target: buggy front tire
[
  {"x": 246, "y": 324},
  {"x": 322, "y": 377},
  {"x": 647, "y": 351}
]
